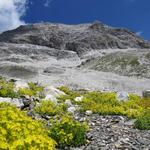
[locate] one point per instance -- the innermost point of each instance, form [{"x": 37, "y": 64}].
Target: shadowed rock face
[
  {"x": 84, "y": 56},
  {"x": 78, "y": 38}
]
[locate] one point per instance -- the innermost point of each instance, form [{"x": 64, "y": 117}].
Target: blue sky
[{"x": 132, "y": 14}]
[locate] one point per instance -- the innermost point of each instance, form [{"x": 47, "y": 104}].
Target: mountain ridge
[
  {"x": 78, "y": 38},
  {"x": 89, "y": 56}
]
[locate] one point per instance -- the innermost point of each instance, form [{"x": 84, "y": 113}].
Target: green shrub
[
  {"x": 70, "y": 94},
  {"x": 26, "y": 91},
  {"x": 106, "y": 103},
  {"x": 7, "y": 89},
  {"x": 144, "y": 103},
  {"x": 68, "y": 132},
  {"x": 48, "y": 107},
  {"x": 33, "y": 90},
  {"x": 134, "y": 62},
  {"x": 102, "y": 97},
  {"x": 101, "y": 103},
  {"x": 18, "y": 131},
  {"x": 65, "y": 89},
  {"x": 143, "y": 122},
  {"x": 35, "y": 87},
  {"x": 134, "y": 97},
  {"x": 147, "y": 55},
  {"x": 131, "y": 107}
]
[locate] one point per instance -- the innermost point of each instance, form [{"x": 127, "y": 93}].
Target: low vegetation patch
[
  {"x": 7, "y": 89},
  {"x": 70, "y": 94},
  {"x": 47, "y": 107},
  {"x": 143, "y": 121},
  {"x": 106, "y": 103},
  {"x": 18, "y": 131},
  {"x": 34, "y": 89},
  {"x": 148, "y": 56},
  {"x": 122, "y": 63},
  {"x": 68, "y": 132}
]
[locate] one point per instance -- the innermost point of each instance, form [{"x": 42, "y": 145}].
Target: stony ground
[
  {"x": 114, "y": 133},
  {"x": 105, "y": 133}
]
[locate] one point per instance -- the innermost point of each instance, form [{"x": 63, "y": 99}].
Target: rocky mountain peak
[
  {"x": 79, "y": 38},
  {"x": 91, "y": 56}
]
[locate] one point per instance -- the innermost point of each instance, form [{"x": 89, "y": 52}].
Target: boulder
[
  {"x": 146, "y": 94},
  {"x": 20, "y": 84},
  {"x": 71, "y": 109},
  {"x": 51, "y": 90},
  {"x": 89, "y": 112},
  {"x": 51, "y": 93},
  {"x": 123, "y": 96},
  {"x": 68, "y": 102},
  {"x": 51, "y": 97},
  {"x": 26, "y": 100},
  {"x": 79, "y": 99},
  {"x": 17, "y": 102}
]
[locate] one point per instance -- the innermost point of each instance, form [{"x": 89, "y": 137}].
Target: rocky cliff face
[
  {"x": 78, "y": 38},
  {"x": 84, "y": 56}
]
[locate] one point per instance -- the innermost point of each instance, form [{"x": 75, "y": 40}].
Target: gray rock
[
  {"x": 31, "y": 106},
  {"x": 51, "y": 98},
  {"x": 52, "y": 93},
  {"x": 79, "y": 99},
  {"x": 20, "y": 84},
  {"x": 78, "y": 38},
  {"x": 51, "y": 90},
  {"x": 26, "y": 100},
  {"x": 65, "y": 54},
  {"x": 54, "y": 70},
  {"x": 17, "y": 102},
  {"x": 146, "y": 94},
  {"x": 130, "y": 122},
  {"x": 88, "y": 112},
  {"x": 68, "y": 102},
  {"x": 122, "y": 96},
  {"x": 105, "y": 135},
  {"x": 71, "y": 109}
]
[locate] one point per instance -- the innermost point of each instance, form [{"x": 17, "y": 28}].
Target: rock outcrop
[
  {"x": 81, "y": 56},
  {"x": 78, "y": 38}
]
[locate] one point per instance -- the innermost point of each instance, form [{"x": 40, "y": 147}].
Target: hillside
[
  {"x": 37, "y": 117},
  {"x": 74, "y": 87},
  {"x": 78, "y": 38},
  {"x": 88, "y": 56},
  {"x": 129, "y": 63}
]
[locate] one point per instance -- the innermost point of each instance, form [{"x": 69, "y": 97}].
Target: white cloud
[
  {"x": 11, "y": 12},
  {"x": 139, "y": 33}
]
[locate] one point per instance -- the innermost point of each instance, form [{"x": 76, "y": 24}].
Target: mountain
[
  {"x": 78, "y": 38},
  {"x": 94, "y": 56}
]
